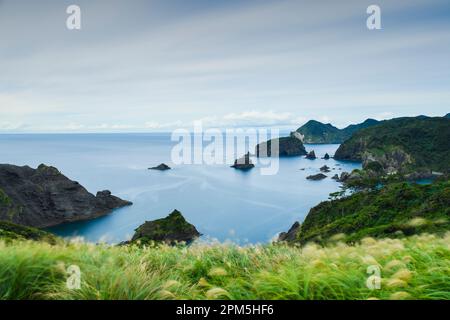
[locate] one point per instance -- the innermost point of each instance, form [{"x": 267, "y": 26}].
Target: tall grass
[{"x": 417, "y": 267}]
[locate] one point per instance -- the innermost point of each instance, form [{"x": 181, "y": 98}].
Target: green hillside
[
  {"x": 395, "y": 210},
  {"x": 319, "y": 133},
  {"x": 403, "y": 145}
]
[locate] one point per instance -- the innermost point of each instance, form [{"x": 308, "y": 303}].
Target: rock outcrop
[
  {"x": 172, "y": 230},
  {"x": 161, "y": 167},
  {"x": 291, "y": 235},
  {"x": 44, "y": 197},
  {"x": 243, "y": 163},
  {"x": 316, "y": 177},
  {"x": 311, "y": 155},
  {"x": 325, "y": 169},
  {"x": 327, "y": 156},
  {"x": 284, "y": 147}
]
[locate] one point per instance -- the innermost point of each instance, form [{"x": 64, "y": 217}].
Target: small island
[
  {"x": 161, "y": 167},
  {"x": 243, "y": 163},
  {"x": 174, "y": 229}
]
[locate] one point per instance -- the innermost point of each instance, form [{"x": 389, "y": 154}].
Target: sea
[{"x": 225, "y": 205}]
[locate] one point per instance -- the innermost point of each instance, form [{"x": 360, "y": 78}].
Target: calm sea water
[{"x": 223, "y": 203}]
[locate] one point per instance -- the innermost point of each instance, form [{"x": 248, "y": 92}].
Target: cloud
[{"x": 173, "y": 62}]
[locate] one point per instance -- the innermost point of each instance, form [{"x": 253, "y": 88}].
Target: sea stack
[
  {"x": 243, "y": 163},
  {"x": 311, "y": 155}
]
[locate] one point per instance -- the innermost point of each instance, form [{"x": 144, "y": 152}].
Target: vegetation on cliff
[
  {"x": 319, "y": 133},
  {"x": 10, "y": 231},
  {"x": 401, "y": 145},
  {"x": 172, "y": 230},
  {"x": 396, "y": 210}
]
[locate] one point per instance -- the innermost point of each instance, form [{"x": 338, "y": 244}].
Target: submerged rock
[
  {"x": 315, "y": 177},
  {"x": 311, "y": 155},
  {"x": 44, "y": 197},
  {"x": 325, "y": 169},
  {"x": 243, "y": 163},
  {"x": 161, "y": 167},
  {"x": 171, "y": 230}
]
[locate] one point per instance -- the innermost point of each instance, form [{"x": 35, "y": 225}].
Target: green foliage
[
  {"x": 317, "y": 132},
  {"x": 380, "y": 212},
  {"x": 10, "y": 231},
  {"x": 425, "y": 140},
  {"x": 415, "y": 267},
  {"x": 4, "y": 199},
  {"x": 171, "y": 229}
]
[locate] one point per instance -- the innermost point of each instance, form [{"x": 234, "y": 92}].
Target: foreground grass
[{"x": 417, "y": 267}]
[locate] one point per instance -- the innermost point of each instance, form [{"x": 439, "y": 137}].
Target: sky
[{"x": 142, "y": 66}]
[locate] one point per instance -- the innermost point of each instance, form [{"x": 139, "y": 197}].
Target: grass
[{"x": 416, "y": 267}]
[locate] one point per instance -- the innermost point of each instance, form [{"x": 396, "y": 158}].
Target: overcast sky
[{"x": 159, "y": 65}]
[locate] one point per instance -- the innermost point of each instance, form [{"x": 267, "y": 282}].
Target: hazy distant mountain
[{"x": 318, "y": 132}]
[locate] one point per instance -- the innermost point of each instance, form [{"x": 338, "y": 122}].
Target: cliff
[
  {"x": 44, "y": 197},
  {"x": 396, "y": 210},
  {"x": 402, "y": 145},
  {"x": 283, "y": 147}
]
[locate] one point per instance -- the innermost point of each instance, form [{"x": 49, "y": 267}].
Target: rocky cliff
[
  {"x": 44, "y": 197},
  {"x": 283, "y": 147}
]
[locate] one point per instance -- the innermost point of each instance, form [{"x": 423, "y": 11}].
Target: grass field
[{"x": 417, "y": 267}]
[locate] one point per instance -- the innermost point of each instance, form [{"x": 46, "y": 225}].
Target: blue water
[{"x": 223, "y": 203}]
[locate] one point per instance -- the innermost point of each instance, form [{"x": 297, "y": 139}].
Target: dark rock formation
[
  {"x": 243, "y": 163},
  {"x": 315, "y": 177},
  {"x": 161, "y": 167},
  {"x": 171, "y": 230},
  {"x": 283, "y": 147},
  {"x": 311, "y": 155},
  {"x": 291, "y": 235},
  {"x": 44, "y": 197},
  {"x": 327, "y": 156},
  {"x": 335, "y": 177},
  {"x": 325, "y": 169}
]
